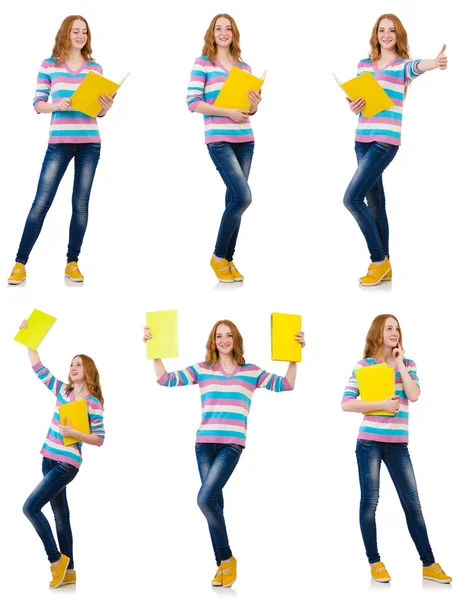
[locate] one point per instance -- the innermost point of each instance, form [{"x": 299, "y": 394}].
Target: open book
[{"x": 85, "y": 97}]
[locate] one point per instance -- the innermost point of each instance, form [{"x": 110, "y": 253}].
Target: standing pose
[
  {"x": 61, "y": 463},
  {"x": 228, "y": 134},
  {"x": 385, "y": 439},
  {"x": 73, "y": 135},
  {"x": 227, "y": 384},
  {"x": 377, "y": 138}
]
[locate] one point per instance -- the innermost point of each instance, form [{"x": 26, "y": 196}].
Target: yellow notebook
[
  {"x": 365, "y": 86},
  {"x": 283, "y": 330},
  {"x": 234, "y": 92},
  {"x": 376, "y": 383},
  {"x": 38, "y": 325},
  {"x": 77, "y": 414},
  {"x": 85, "y": 97},
  {"x": 164, "y": 328}
]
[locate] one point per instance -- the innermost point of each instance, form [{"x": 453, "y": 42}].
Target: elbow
[
  {"x": 413, "y": 398},
  {"x": 100, "y": 441},
  {"x": 344, "y": 407}
]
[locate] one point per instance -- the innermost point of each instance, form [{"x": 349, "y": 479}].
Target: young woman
[
  {"x": 385, "y": 439},
  {"x": 377, "y": 138},
  {"x": 73, "y": 135},
  {"x": 227, "y": 384},
  {"x": 61, "y": 463},
  {"x": 228, "y": 134}
]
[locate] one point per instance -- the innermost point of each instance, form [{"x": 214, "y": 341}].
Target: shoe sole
[
  {"x": 226, "y": 280},
  {"x": 228, "y": 585},
  {"x": 216, "y": 584},
  {"x": 68, "y": 583},
  {"x": 74, "y": 278},
  {"x": 16, "y": 282},
  {"x": 436, "y": 580},
  {"x": 381, "y": 580},
  {"x": 241, "y": 279},
  {"x": 63, "y": 575},
  {"x": 377, "y": 283}
]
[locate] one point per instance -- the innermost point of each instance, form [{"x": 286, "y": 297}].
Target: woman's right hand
[
  {"x": 147, "y": 333},
  {"x": 24, "y": 325},
  {"x": 357, "y": 105},
  {"x": 392, "y": 404},
  {"x": 238, "y": 116},
  {"x": 64, "y": 104}
]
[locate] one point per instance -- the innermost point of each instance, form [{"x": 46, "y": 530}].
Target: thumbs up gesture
[{"x": 441, "y": 60}]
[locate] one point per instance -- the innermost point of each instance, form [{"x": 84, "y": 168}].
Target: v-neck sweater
[{"x": 225, "y": 397}]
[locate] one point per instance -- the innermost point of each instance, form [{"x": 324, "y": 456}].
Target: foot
[
  {"x": 70, "y": 577},
  {"x": 435, "y": 573},
  {"x": 234, "y": 272},
  {"x": 376, "y": 273},
  {"x": 229, "y": 572},
  {"x": 58, "y": 571},
  {"x": 221, "y": 270},
  {"x": 388, "y": 276},
  {"x": 379, "y": 573},
  {"x": 73, "y": 272},
  {"x": 217, "y": 581},
  {"x": 18, "y": 274}
]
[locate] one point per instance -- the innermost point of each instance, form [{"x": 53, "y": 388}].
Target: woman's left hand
[
  {"x": 398, "y": 355},
  {"x": 299, "y": 337},
  {"x": 67, "y": 430},
  {"x": 106, "y": 101},
  {"x": 441, "y": 60},
  {"x": 255, "y": 98}
]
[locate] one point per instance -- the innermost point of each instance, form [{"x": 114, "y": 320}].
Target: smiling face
[
  {"x": 78, "y": 34},
  {"x": 223, "y": 33},
  {"x": 387, "y": 35},
  {"x": 391, "y": 334},
  {"x": 76, "y": 372},
  {"x": 224, "y": 341}
]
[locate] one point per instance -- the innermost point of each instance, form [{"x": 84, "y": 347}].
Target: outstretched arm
[
  {"x": 292, "y": 369},
  {"x": 439, "y": 62},
  {"x": 33, "y": 354}
]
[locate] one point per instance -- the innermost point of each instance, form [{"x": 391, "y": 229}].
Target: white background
[{"x": 292, "y": 504}]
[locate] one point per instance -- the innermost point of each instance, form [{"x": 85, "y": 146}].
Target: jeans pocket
[
  {"x": 237, "y": 448},
  {"x": 384, "y": 146}
]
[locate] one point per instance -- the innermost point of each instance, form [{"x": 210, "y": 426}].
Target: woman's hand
[
  {"x": 255, "y": 98},
  {"x": 67, "y": 430},
  {"x": 441, "y": 60},
  {"x": 356, "y": 106},
  {"x": 238, "y": 116},
  {"x": 392, "y": 404},
  {"x": 397, "y": 353},
  {"x": 299, "y": 337},
  {"x": 64, "y": 104},
  {"x": 106, "y": 101},
  {"x": 147, "y": 333},
  {"x": 24, "y": 325}
]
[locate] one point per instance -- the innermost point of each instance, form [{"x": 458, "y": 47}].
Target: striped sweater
[
  {"x": 226, "y": 398},
  {"x": 205, "y": 83},
  {"x": 67, "y": 126},
  {"x": 386, "y": 126},
  {"x": 383, "y": 428},
  {"x": 54, "y": 444}
]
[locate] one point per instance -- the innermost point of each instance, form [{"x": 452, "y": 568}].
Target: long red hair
[
  {"x": 209, "y": 48},
  {"x": 62, "y": 40},
  {"x": 374, "y": 341},
  {"x": 212, "y": 354},
  {"x": 91, "y": 378},
  {"x": 402, "y": 47}
]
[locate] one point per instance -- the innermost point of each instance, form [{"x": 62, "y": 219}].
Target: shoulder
[
  {"x": 251, "y": 368},
  {"x": 409, "y": 363},
  {"x": 366, "y": 362},
  {"x": 243, "y": 65},
  {"x": 94, "y": 403},
  {"x": 48, "y": 63},
  {"x": 365, "y": 62},
  {"x": 202, "y": 61}
]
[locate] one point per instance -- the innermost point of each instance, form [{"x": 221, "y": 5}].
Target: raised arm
[
  {"x": 33, "y": 354},
  {"x": 175, "y": 378},
  {"x": 292, "y": 366}
]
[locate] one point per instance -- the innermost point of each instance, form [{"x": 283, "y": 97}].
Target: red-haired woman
[
  {"x": 61, "y": 462},
  {"x": 228, "y": 134},
  {"x": 384, "y": 438},
  {"x": 73, "y": 135},
  {"x": 227, "y": 384},
  {"x": 377, "y": 138}
]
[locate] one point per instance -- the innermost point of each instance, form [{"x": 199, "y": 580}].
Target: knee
[
  {"x": 28, "y": 509},
  {"x": 244, "y": 199},
  {"x": 369, "y": 505},
  {"x": 204, "y": 500},
  {"x": 349, "y": 202}
]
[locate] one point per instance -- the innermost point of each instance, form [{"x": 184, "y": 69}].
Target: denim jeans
[
  {"x": 372, "y": 159},
  {"x": 216, "y": 463},
  {"x": 398, "y": 463},
  {"x": 52, "y": 488},
  {"x": 233, "y": 161},
  {"x": 57, "y": 159}
]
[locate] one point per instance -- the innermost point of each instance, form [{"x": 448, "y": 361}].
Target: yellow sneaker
[
  {"x": 234, "y": 272},
  {"x": 376, "y": 273},
  {"x": 435, "y": 573},
  {"x": 72, "y": 272},
  {"x": 217, "y": 581},
  {"x": 70, "y": 577},
  {"x": 388, "y": 276},
  {"x": 229, "y": 574},
  {"x": 18, "y": 274},
  {"x": 58, "y": 571},
  {"x": 379, "y": 573},
  {"x": 221, "y": 270}
]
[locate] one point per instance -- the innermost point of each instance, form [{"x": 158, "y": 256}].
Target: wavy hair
[
  {"x": 210, "y": 49},
  {"x": 212, "y": 354},
  {"x": 91, "y": 378},
  {"x": 62, "y": 41},
  {"x": 402, "y": 47},
  {"x": 374, "y": 341}
]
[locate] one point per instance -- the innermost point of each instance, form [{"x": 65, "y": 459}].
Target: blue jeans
[
  {"x": 216, "y": 463},
  {"x": 52, "y": 488},
  {"x": 57, "y": 159},
  {"x": 398, "y": 463},
  {"x": 233, "y": 161},
  {"x": 367, "y": 183}
]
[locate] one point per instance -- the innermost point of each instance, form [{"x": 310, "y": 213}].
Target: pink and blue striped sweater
[
  {"x": 226, "y": 398},
  {"x": 54, "y": 444},
  {"x": 67, "y": 126}
]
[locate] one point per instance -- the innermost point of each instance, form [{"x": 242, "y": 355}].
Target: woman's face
[
  {"x": 77, "y": 374},
  {"x": 224, "y": 340},
  {"x": 387, "y": 36},
  {"x": 223, "y": 33},
  {"x": 391, "y": 334},
  {"x": 78, "y": 35}
]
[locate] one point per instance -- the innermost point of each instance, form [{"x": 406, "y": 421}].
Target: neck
[
  {"x": 80, "y": 390},
  {"x": 223, "y": 54},
  {"x": 75, "y": 55},
  {"x": 387, "y": 355},
  {"x": 388, "y": 55},
  {"x": 226, "y": 362}
]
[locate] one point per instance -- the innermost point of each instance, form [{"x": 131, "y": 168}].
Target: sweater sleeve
[
  {"x": 42, "y": 91},
  {"x": 411, "y": 368},
  {"x": 411, "y": 70},
  {"x": 196, "y": 88},
  {"x": 179, "y": 378},
  {"x": 53, "y": 384},
  {"x": 351, "y": 391},
  {"x": 96, "y": 417},
  {"x": 273, "y": 383}
]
